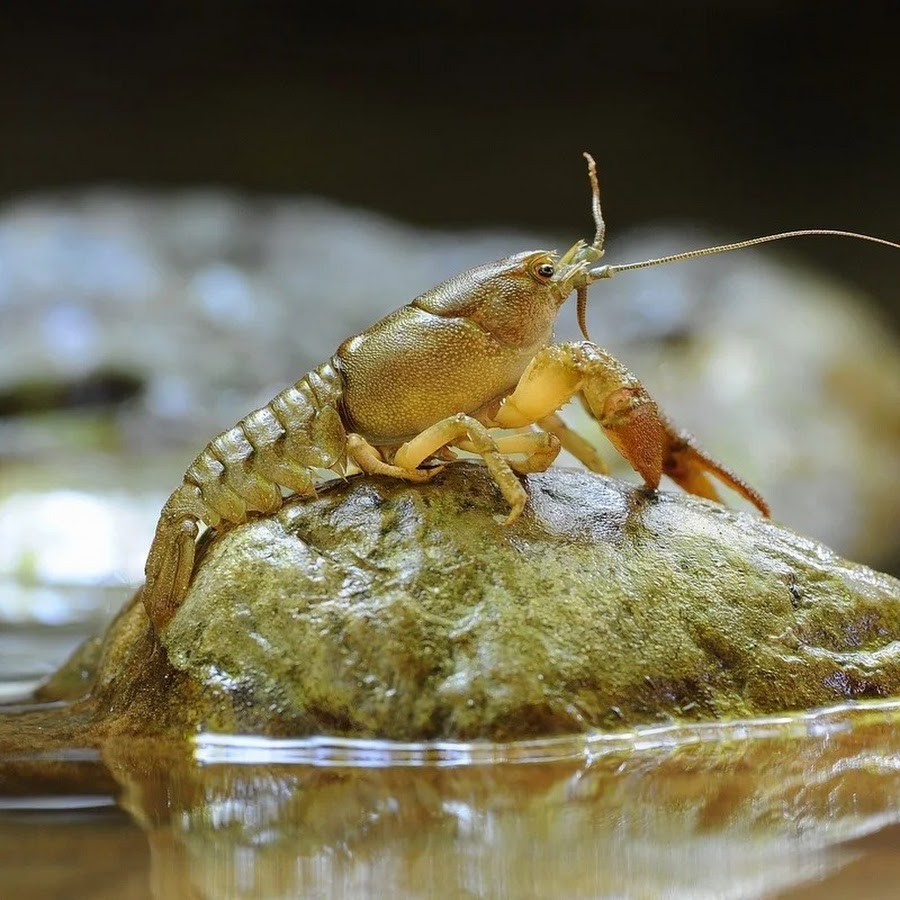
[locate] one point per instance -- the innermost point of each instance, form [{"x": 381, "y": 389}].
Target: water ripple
[{"x": 216, "y": 749}]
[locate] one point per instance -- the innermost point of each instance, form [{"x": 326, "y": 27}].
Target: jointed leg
[
  {"x": 581, "y": 449},
  {"x": 628, "y": 415},
  {"x": 540, "y": 449},
  {"x": 464, "y": 428},
  {"x": 614, "y": 396},
  {"x": 370, "y": 461}
]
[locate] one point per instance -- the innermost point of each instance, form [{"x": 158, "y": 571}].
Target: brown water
[{"x": 793, "y": 807}]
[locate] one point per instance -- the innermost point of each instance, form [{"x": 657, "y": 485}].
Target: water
[{"x": 778, "y": 807}]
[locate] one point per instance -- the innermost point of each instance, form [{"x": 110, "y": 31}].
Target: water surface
[{"x": 780, "y": 807}]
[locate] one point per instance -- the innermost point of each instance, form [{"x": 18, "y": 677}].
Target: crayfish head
[
  {"x": 572, "y": 269},
  {"x": 516, "y": 299}
]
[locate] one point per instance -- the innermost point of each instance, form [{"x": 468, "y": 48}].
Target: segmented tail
[{"x": 243, "y": 471}]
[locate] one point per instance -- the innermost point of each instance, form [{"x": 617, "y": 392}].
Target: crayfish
[{"x": 469, "y": 356}]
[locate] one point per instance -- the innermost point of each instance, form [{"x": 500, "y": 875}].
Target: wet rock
[{"x": 410, "y": 612}]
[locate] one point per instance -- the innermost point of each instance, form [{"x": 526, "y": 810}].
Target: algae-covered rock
[{"x": 411, "y": 612}]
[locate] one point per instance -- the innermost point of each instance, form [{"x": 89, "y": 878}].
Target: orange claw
[
  {"x": 631, "y": 421},
  {"x": 690, "y": 467},
  {"x": 654, "y": 447}
]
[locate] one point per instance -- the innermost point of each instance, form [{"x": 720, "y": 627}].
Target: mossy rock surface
[{"x": 388, "y": 610}]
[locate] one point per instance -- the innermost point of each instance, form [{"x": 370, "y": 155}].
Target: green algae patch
[
  {"x": 411, "y": 612},
  {"x": 387, "y": 610}
]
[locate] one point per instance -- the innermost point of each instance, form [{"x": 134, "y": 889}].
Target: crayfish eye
[{"x": 545, "y": 270}]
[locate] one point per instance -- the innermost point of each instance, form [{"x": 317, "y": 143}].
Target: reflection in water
[{"x": 724, "y": 811}]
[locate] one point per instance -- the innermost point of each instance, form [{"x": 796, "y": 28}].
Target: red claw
[{"x": 632, "y": 423}]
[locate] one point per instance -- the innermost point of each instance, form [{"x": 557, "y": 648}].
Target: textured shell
[
  {"x": 456, "y": 348},
  {"x": 279, "y": 444}
]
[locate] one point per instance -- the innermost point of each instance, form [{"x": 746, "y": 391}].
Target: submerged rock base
[{"x": 383, "y": 609}]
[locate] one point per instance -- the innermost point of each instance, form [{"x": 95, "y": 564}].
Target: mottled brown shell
[{"x": 456, "y": 348}]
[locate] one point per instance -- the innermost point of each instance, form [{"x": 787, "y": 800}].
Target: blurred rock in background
[{"x": 199, "y": 202}]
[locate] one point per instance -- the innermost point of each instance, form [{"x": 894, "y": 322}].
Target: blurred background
[
  {"x": 750, "y": 116},
  {"x": 199, "y": 200}
]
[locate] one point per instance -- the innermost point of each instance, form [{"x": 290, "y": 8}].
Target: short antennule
[
  {"x": 594, "y": 252},
  {"x": 609, "y": 271}
]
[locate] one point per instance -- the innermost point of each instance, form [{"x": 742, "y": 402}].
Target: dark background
[{"x": 750, "y": 117}]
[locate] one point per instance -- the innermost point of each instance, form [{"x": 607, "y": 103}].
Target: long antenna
[{"x": 609, "y": 271}]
